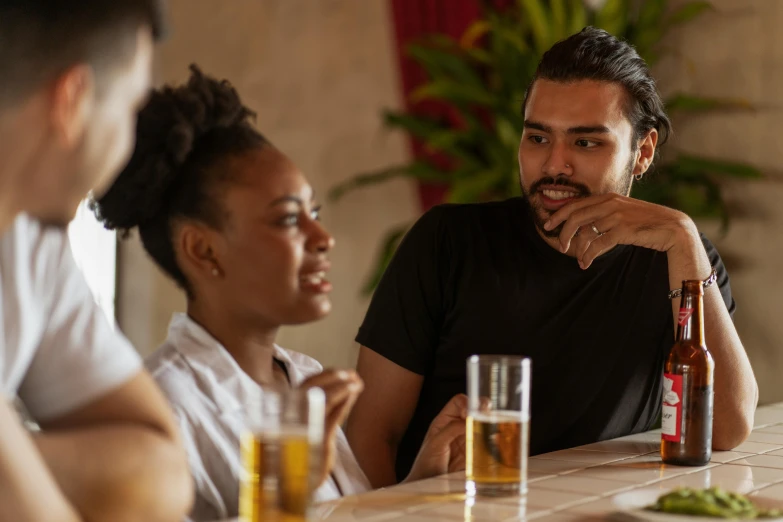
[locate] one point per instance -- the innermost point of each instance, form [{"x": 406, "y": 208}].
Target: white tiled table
[{"x": 578, "y": 484}]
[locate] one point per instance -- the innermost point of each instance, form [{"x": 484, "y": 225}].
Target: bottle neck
[{"x": 691, "y": 317}]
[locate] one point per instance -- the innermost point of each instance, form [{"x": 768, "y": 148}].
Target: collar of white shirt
[
  {"x": 209, "y": 358},
  {"x": 232, "y": 388}
]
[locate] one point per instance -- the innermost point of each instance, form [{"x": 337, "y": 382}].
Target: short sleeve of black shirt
[
  {"x": 404, "y": 318},
  {"x": 723, "y": 276}
]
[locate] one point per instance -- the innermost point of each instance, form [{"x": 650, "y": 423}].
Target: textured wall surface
[
  {"x": 318, "y": 73},
  {"x": 737, "y": 51}
]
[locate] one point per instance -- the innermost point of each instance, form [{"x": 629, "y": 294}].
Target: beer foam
[
  {"x": 279, "y": 432},
  {"x": 499, "y": 416}
]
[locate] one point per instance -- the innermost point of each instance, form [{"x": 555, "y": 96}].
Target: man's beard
[{"x": 541, "y": 216}]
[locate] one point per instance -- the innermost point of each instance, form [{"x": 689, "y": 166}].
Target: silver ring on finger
[{"x": 595, "y": 229}]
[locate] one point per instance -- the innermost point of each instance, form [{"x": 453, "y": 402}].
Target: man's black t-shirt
[{"x": 478, "y": 279}]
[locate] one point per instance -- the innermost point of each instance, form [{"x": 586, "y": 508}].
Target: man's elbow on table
[
  {"x": 174, "y": 483},
  {"x": 732, "y": 430},
  {"x": 161, "y": 489}
]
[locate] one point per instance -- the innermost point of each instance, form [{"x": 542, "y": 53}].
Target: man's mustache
[{"x": 560, "y": 181}]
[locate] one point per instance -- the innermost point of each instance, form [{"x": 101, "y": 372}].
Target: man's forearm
[
  {"x": 379, "y": 466},
  {"x": 374, "y": 454},
  {"x": 28, "y": 492},
  {"x": 736, "y": 392},
  {"x": 118, "y": 472}
]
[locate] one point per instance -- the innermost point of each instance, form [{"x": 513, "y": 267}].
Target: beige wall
[
  {"x": 318, "y": 72},
  {"x": 738, "y": 51}
]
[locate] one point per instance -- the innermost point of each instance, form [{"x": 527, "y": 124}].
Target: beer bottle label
[
  {"x": 685, "y": 314},
  {"x": 671, "y": 414}
]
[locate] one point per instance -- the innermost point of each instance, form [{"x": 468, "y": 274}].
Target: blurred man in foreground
[{"x": 73, "y": 77}]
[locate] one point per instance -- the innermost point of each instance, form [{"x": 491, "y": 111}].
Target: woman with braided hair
[{"x": 234, "y": 223}]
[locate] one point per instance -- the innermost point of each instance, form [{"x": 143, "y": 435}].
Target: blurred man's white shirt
[{"x": 57, "y": 349}]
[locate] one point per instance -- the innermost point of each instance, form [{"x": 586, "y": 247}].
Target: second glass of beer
[
  {"x": 497, "y": 425},
  {"x": 281, "y": 451}
]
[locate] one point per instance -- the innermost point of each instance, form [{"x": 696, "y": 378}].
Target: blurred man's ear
[{"x": 72, "y": 101}]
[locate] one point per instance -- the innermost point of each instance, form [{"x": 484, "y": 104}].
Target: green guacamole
[{"x": 712, "y": 502}]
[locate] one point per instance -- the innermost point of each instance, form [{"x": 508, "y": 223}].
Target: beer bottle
[{"x": 686, "y": 424}]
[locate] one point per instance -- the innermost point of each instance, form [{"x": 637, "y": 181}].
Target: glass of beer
[
  {"x": 281, "y": 450},
  {"x": 497, "y": 425}
]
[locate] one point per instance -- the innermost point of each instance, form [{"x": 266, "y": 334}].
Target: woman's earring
[
  {"x": 215, "y": 272},
  {"x": 639, "y": 177}
]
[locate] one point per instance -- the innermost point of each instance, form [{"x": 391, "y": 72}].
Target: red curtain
[{"x": 414, "y": 19}]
